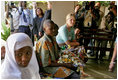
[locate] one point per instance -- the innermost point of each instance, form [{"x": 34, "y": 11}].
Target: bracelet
[{"x": 112, "y": 63}]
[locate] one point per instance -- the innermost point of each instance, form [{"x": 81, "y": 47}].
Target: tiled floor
[{"x": 99, "y": 70}]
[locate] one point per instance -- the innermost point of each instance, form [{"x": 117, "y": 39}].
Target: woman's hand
[
  {"x": 34, "y": 4},
  {"x": 111, "y": 66},
  {"x": 77, "y": 31},
  {"x": 76, "y": 9},
  {"x": 73, "y": 43},
  {"x": 49, "y": 5}
]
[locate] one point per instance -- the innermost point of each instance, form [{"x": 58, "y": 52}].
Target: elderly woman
[
  {"x": 20, "y": 60},
  {"x": 66, "y": 34}
]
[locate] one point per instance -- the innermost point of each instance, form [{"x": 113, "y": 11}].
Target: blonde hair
[{"x": 70, "y": 15}]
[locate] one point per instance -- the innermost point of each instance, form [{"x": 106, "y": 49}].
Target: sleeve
[
  {"x": 116, "y": 40},
  {"x": 76, "y": 15},
  {"x": 34, "y": 30},
  {"x": 73, "y": 35},
  {"x": 20, "y": 10},
  {"x": 34, "y": 13},
  {"x": 31, "y": 16},
  {"x": 41, "y": 26},
  {"x": 47, "y": 15},
  {"x": 45, "y": 57},
  {"x": 97, "y": 16},
  {"x": 30, "y": 19},
  {"x": 64, "y": 35}
]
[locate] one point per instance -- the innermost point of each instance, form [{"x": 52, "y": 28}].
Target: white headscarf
[{"x": 9, "y": 68}]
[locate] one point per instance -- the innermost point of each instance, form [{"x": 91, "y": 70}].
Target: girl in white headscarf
[{"x": 20, "y": 60}]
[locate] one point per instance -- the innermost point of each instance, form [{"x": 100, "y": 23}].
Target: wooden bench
[{"x": 94, "y": 35}]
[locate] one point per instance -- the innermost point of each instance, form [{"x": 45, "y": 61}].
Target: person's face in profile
[
  {"x": 50, "y": 30},
  {"x": 23, "y": 56}
]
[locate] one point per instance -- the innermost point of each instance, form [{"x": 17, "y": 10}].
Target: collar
[
  {"x": 14, "y": 9},
  {"x": 48, "y": 37}
]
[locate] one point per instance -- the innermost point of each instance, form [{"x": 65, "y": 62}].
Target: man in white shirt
[
  {"x": 24, "y": 20},
  {"x": 13, "y": 11}
]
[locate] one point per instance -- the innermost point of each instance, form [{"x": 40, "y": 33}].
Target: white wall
[{"x": 60, "y": 9}]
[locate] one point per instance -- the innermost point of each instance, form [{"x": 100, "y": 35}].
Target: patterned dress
[{"x": 47, "y": 53}]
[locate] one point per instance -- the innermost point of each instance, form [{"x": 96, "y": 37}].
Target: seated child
[
  {"x": 48, "y": 54},
  {"x": 20, "y": 60},
  {"x": 3, "y": 44}
]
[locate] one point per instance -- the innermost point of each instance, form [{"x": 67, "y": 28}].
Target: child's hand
[
  {"x": 35, "y": 35},
  {"x": 40, "y": 34},
  {"x": 85, "y": 74}
]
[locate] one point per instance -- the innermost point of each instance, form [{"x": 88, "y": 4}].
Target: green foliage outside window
[
  {"x": 103, "y": 3},
  {"x": 6, "y": 32}
]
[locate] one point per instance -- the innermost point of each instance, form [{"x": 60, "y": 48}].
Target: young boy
[{"x": 48, "y": 54}]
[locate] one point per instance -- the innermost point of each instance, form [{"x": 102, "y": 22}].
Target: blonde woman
[{"x": 66, "y": 34}]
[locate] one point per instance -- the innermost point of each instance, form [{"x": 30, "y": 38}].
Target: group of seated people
[
  {"x": 22, "y": 62},
  {"x": 20, "y": 57}
]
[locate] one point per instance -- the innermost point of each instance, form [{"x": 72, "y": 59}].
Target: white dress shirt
[
  {"x": 27, "y": 14},
  {"x": 16, "y": 17}
]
